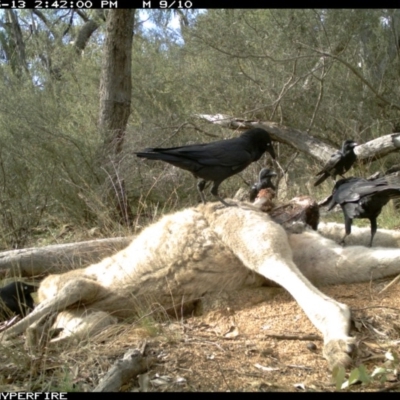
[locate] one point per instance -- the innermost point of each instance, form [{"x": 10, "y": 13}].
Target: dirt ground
[
  {"x": 260, "y": 340},
  {"x": 252, "y": 340}
]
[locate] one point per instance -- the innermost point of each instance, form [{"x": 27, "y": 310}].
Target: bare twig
[
  {"x": 356, "y": 73},
  {"x": 390, "y": 387},
  {"x": 223, "y": 376},
  {"x": 395, "y": 280},
  {"x": 281, "y": 336}
]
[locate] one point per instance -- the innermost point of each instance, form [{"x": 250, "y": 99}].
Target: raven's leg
[
  {"x": 200, "y": 187},
  {"x": 374, "y": 227},
  {"x": 214, "y": 192},
  {"x": 347, "y": 224}
]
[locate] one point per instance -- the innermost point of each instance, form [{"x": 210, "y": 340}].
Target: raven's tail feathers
[{"x": 321, "y": 179}]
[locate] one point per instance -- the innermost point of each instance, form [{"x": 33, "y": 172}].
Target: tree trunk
[
  {"x": 17, "y": 56},
  {"x": 115, "y": 102}
]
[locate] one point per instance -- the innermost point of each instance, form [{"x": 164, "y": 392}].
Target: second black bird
[
  {"x": 362, "y": 198},
  {"x": 216, "y": 161},
  {"x": 264, "y": 182},
  {"x": 339, "y": 163},
  {"x": 15, "y": 298}
]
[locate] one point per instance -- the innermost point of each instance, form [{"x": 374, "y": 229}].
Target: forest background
[{"x": 70, "y": 122}]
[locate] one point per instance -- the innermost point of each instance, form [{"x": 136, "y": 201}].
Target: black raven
[
  {"x": 15, "y": 298},
  {"x": 215, "y": 161},
  {"x": 264, "y": 182},
  {"x": 363, "y": 198},
  {"x": 339, "y": 163}
]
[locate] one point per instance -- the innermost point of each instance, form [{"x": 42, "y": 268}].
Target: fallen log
[{"x": 58, "y": 258}]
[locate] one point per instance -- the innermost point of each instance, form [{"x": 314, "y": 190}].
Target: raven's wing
[
  {"x": 356, "y": 188},
  {"x": 332, "y": 162},
  {"x": 229, "y": 153}
]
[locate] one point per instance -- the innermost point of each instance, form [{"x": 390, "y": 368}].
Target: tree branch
[
  {"x": 310, "y": 145},
  {"x": 356, "y": 73}
]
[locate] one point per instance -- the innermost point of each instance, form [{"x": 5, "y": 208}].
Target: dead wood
[
  {"x": 58, "y": 258},
  {"x": 282, "y": 336},
  {"x": 132, "y": 364},
  {"x": 310, "y": 145},
  {"x": 6, "y": 324}
]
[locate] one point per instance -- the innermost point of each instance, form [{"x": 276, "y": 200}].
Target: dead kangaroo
[{"x": 210, "y": 248}]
